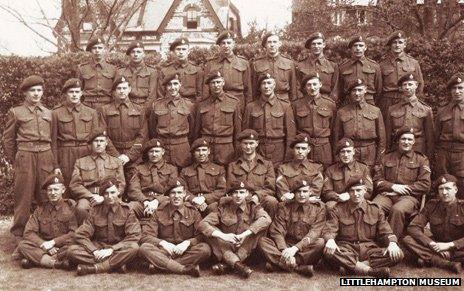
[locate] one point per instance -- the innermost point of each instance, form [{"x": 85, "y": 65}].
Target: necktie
[{"x": 111, "y": 236}]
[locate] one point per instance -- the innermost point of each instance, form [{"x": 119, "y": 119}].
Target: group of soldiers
[{"x": 175, "y": 164}]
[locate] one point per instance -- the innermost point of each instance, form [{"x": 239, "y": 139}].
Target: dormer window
[{"x": 192, "y": 17}]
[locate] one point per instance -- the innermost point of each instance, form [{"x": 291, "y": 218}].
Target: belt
[
  {"x": 364, "y": 143},
  {"x": 219, "y": 139},
  {"x": 72, "y": 143},
  {"x": 175, "y": 139},
  {"x": 124, "y": 144},
  {"x": 451, "y": 145},
  {"x": 34, "y": 146}
]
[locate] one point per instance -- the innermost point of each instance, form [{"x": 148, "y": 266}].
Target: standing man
[
  {"x": 396, "y": 64},
  {"x": 274, "y": 63},
  {"x": 315, "y": 115},
  {"x": 172, "y": 120},
  {"x": 72, "y": 125},
  {"x": 360, "y": 67},
  {"x": 317, "y": 62},
  {"x": 218, "y": 118},
  {"x": 272, "y": 117},
  {"x": 96, "y": 75},
  {"x": 191, "y": 76},
  {"x": 27, "y": 145},
  {"x": 401, "y": 180}
]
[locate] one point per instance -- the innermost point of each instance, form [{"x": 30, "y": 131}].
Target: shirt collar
[
  {"x": 102, "y": 156},
  {"x": 32, "y": 107},
  {"x": 362, "y": 206},
  {"x": 158, "y": 165}
]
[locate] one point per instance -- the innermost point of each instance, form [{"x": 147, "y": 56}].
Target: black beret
[
  {"x": 133, "y": 45},
  {"x": 355, "y": 180},
  {"x": 177, "y": 42},
  {"x": 118, "y": 81},
  {"x": 32, "y": 80},
  {"x": 307, "y": 77},
  {"x": 312, "y": 37},
  {"x": 299, "y": 183},
  {"x": 445, "y": 178},
  {"x": 199, "y": 142},
  {"x": 248, "y": 134},
  {"x": 214, "y": 74},
  {"x": 264, "y": 76},
  {"x": 169, "y": 77},
  {"x": 106, "y": 183},
  {"x": 407, "y": 77},
  {"x": 343, "y": 143},
  {"x": 404, "y": 129},
  {"x": 97, "y": 133},
  {"x": 355, "y": 39},
  {"x": 225, "y": 35},
  {"x": 455, "y": 79},
  {"x": 152, "y": 143},
  {"x": 396, "y": 35},
  {"x": 92, "y": 42},
  {"x": 71, "y": 83},
  {"x": 356, "y": 83},
  {"x": 266, "y": 36},
  {"x": 52, "y": 179},
  {"x": 237, "y": 184},
  {"x": 174, "y": 184},
  {"x": 301, "y": 138}
]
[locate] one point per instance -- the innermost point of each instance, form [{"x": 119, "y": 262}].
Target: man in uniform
[
  {"x": 89, "y": 170},
  {"x": 234, "y": 230},
  {"x": 401, "y": 180},
  {"x": 96, "y": 75},
  {"x": 300, "y": 167},
  {"x": 27, "y": 145},
  {"x": 72, "y": 125},
  {"x": 109, "y": 237},
  {"x": 274, "y": 63},
  {"x": 449, "y": 132},
  {"x": 50, "y": 229},
  {"x": 294, "y": 242},
  {"x": 172, "y": 120},
  {"x": 445, "y": 249},
  {"x": 317, "y": 62},
  {"x": 272, "y": 117},
  {"x": 363, "y": 123},
  {"x": 257, "y": 171},
  {"x": 235, "y": 69},
  {"x": 191, "y": 76},
  {"x": 171, "y": 240},
  {"x": 151, "y": 179},
  {"x": 340, "y": 173},
  {"x": 219, "y": 119},
  {"x": 142, "y": 78},
  {"x": 315, "y": 115},
  {"x": 396, "y": 64},
  {"x": 413, "y": 113},
  {"x": 360, "y": 67},
  {"x": 352, "y": 233},
  {"x": 205, "y": 180}
]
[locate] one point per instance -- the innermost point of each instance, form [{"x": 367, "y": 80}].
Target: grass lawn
[{"x": 13, "y": 277}]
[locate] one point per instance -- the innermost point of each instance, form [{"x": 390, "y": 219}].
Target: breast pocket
[
  {"x": 369, "y": 77},
  {"x": 85, "y": 123},
  {"x": 303, "y": 119},
  {"x": 227, "y": 116},
  {"x": 369, "y": 128},
  {"x": 370, "y": 226},
  {"x": 236, "y": 76},
  {"x": 101, "y": 228},
  {"x": 348, "y": 77},
  {"x": 187, "y": 227},
  {"x": 436, "y": 223},
  {"x": 119, "y": 229},
  {"x": 111, "y": 169},
  {"x": 349, "y": 127},
  {"x": 322, "y": 118},
  {"x": 338, "y": 183},
  {"x": 189, "y": 83},
  {"x": 411, "y": 172},
  {"x": 89, "y": 173},
  {"x": 162, "y": 118},
  {"x": 257, "y": 121},
  {"x": 446, "y": 121},
  {"x": 347, "y": 227},
  {"x": 145, "y": 178},
  {"x": 190, "y": 177},
  {"x": 107, "y": 79},
  {"x": 166, "y": 228},
  {"x": 143, "y": 83},
  {"x": 113, "y": 119},
  {"x": 212, "y": 176},
  {"x": 90, "y": 80},
  {"x": 277, "y": 120},
  {"x": 397, "y": 118},
  {"x": 134, "y": 119},
  {"x": 390, "y": 170},
  {"x": 66, "y": 124},
  {"x": 283, "y": 73}
]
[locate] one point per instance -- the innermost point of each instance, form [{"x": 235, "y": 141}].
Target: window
[
  {"x": 192, "y": 18},
  {"x": 362, "y": 19}
]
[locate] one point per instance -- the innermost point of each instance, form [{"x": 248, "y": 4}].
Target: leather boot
[
  {"x": 305, "y": 270},
  {"x": 26, "y": 264},
  {"x": 193, "y": 271},
  {"x": 454, "y": 267},
  {"x": 243, "y": 270},
  {"x": 219, "y": 269},
  {"x": 86, "y": 269},
  {"x": 379, "y": 272},
  {"x": 63, "y": 265}
]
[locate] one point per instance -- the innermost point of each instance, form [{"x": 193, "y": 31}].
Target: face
[
  {"x": 201, "y": 154},
  {"x": 182, "y": 52},
  {"x": 155, "y": 154},
  {"x": 34, "y": 94},
  {"x": 302, "y": 195},
  {"x": 409, "y": 88},
  {"x": 99, "y": 144},
  {"x": 177, "y": 195},
  {"x": 55, "y": 192},
  {"x": 447, "y": 192},
  {"x": 73, "y": 95},
  {"x": 358, "y": 49},
  {"x": 240, "y": 196},
  {"x": 122, "y": 91},
  {"x": 313, "y": 87},
  {"x": 137, "y": 54},
  {"x": 267, "y": 87},
  {"x": 227, "y": 46},
  {"x": 406, "y": 142},
  {"x": 357, "y": 193},
  {"x": 398, "y": 45},
  {"x": 173, "y": 87},
  {"x": 457, "y": 92},
  {"x": 346, "y": 155},
  {"x": 216, "y": 86},
  {"x": 111, "y": 195},
  {"x": 273, "y": 45},
  {"x": 249, "y": 146},
  {"x": 357, "y": 93},
  {"x": 317, "y": 46},
  {"x": 98, "y": 51},
  {"x": 301, "y": 151}
]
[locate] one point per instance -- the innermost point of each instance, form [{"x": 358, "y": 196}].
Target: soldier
[
  {"x": 295, "y": 242},
  {"x": 274, "y": 63},
  {"x": 170, "y": 240},
  {"x": 172, "y": 120},
  {"x": 352, "y": 231},
  {"x": 446, "y": 216},
  {"x": 234, "y": 230},
  {"x": 363, "y": 123},
  {"x": 413, "y": 113},
  {"x": 235, "y": 69},
  {"x": 358, "y": 66},
  {"x": 151, "y": 179},
  {"x": 253, "y": 168},
  {"x": 396, "y": 64},
  {"x": 272, "y": 117},
  {"x": 340, "y": 173},
  {"x": 89, "y": 170},
  {"x": 191, "y": 76},
  {"x": 315, "y": 115},
  {"x": 300, "y": 167},
  {"x": 449, "y": 132},
  {"x": 317, "y": 62},
  {"x": 72, "y": 125},
  {"x": 50, "y": 229},
  {"x": 109, "y": 237},
  {"x": 205, "y": 180},
  {"x": 401, "y": 180},
  {"x": 27, "y": 145},
  {"x": 96, "y": 75},
  {"x": 143, "y": 78},
  {"x": 219, "y": 119}
]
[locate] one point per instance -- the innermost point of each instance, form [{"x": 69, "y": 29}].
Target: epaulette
[
  {"x": 124, "y": 204},
  {"x": 373, "y": 204},
  {"x": 163, "y": 204},
  {"x": 232, "y": 96},
  {"x": 189, "y": 205},
  {"x": 344, "y": 61},
  {"x": 283, "y": 98},
  {"x": 242, "y": 57},
  {"x": 57, "y": 106},
  {"x": 193, "y": 64},
  {"x": 371, "y": 60},
  {"x": 70, "y": 202},
  {"x": 303, "y": 58},
  {"x": 326, "y": 97},
  {"x": 285, "y": 56},
  {"x": 423, "y": 103},
  {"x": 212, "y": 58},
  {"x": 166, "y": 64}
]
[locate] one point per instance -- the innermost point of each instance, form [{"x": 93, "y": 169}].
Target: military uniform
[
  {"x": 97, "y": 81},
  {"x": 143, "y": 80},
  {"x": 328, "y": 73},
  {"x": 191, "y": 77},
  {"x": 295, "y": 170},
  {"x": 173, "y": 225}
]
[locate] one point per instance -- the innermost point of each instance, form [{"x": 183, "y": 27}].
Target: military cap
[
  {"x": 403, "y": 130},
  {"x": 133, "y": 45},
  {"x": 445, "y": 178},
  {"x": 307, "y": 77},
  {"x": 52, "y": 179},
  {"x": 169, "y": 77},
  {"x": 266, "y": 36},
  {"x": 118, "y": 81},
  {"x": 344, "y": 143},
  {"x": 71, "y": 83},
  {"x": 97, "y": 133},
  {"x": 32, "y": 80},
  {"x": 152, "y": 143},
  {"x": 455, "y": 79},
  {"x": 396, "y": 35},
  {"x": 237, "y": 184},
  {"x": 175, "y": 183},
  {"x": 301, "y": 138},
  {"x": 312, "y": 37},
  {"x": 177, "y": 42},
  {"x": 356, "y": 83},
  {"x": 214, "y": 74},
  {"x": 299, "y": 183},
  {"x": 92, "y": 42},
  {"x": 106, "y": 183},
  {"x": 405, "y": 78},
  {"x": 225, "y": 35},
  {"x": 355, "y": 39},
  {"x": 199, "y": 142},
  {"x": 264, "y": 76},
  {"x": 356, "y": 180},
  {"x": 248, "y": 134}
]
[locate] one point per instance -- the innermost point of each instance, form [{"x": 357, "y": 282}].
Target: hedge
[{"x": 439, "y": 60}]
